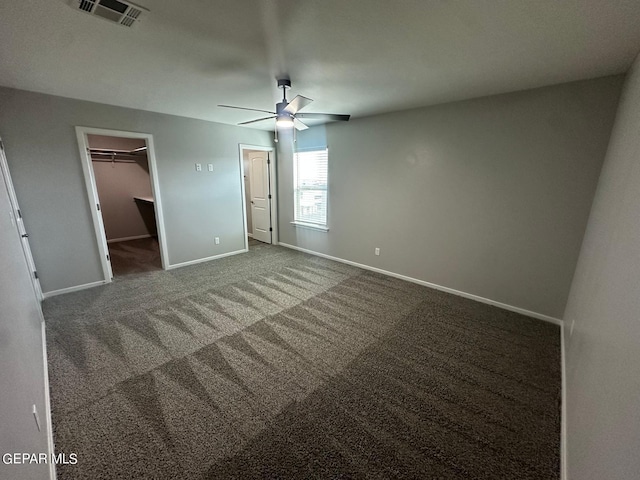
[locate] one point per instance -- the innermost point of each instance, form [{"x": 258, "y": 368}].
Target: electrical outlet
[
  {"x": 377, "y": 251},
  {"x": 217, "y": 240},
  {"x": 210, "y": 166},
  {"x": 198, "y": 167},
  {"x": 573, "y": 322}
]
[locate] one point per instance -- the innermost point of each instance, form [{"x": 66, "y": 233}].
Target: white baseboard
[
  {"x": 125, "y": 239},
  {"x": 471, "y": 296},
  {"x": 62, "y": 291},
  {"x": 170, "y": 267},
  {"x": 563, "y": 411},
  {"x": 47, "y": 404},
  {"x": 206, "y": 259}
]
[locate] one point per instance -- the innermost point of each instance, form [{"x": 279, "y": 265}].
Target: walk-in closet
[{"x": 121, "y": 169}]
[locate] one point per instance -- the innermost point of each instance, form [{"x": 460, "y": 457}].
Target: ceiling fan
[{"x": 286, "y": 113}]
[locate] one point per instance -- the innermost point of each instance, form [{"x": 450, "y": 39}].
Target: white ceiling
[{"x": 351, "y": 56}]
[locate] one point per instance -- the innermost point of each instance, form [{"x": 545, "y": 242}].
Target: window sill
[{"x": 310, "y": 226}]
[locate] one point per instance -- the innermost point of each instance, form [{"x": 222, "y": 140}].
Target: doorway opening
[
  {"x": 259, "y": 195},
  {"x": 122, "y": 183}
]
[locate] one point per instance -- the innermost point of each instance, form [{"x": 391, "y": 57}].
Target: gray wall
[
  {"x": 42, "y": 151},
  {"x": 118, "y": 183},
  {"x": 603, "y": 354},
  {"x": 22, "y": 371},
  {"x": 489, "y": 196}
]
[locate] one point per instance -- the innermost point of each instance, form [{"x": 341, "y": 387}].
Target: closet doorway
[{"x": 123, "y": 192}]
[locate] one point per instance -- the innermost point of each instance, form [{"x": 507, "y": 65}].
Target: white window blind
[{"x": 310, "y": 186}]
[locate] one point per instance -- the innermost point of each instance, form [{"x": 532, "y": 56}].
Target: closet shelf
[
  {"x": 144, "y": 199},
  {"x": 117, "y": 156}
]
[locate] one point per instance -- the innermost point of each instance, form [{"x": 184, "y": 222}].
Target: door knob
[{"x": 25, "y": 235}]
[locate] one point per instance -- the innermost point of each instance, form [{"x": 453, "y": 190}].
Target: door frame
[
  {"x": 94, "y": 199},
  {"x": 19, "y": 221},
  {"x": 273, "y": 165}
]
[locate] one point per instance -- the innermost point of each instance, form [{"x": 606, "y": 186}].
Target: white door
[
  {"x": 94, "y": 201},
  {"x": 17, "y": 215},
  {"x": 260, "y": 195}
]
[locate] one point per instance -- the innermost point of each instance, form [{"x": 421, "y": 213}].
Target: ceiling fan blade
[
  {"x": 244, "y": 108},
  {"x": 329, "y": 117},
  {"x": 299, "y": 125},
  {"x": 257, "y": 120},
  {"x": 297, "y": 104}
]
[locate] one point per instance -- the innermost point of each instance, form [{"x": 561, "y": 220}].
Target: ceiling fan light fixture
[{"x": 284, "y": 121}]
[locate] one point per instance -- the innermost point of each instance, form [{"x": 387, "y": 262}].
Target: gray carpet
[
  {"x": 277, "y": 364},
  {"x": 135, "y": 256}
]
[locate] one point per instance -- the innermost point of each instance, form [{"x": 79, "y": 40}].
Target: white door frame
[
  {"x": 19, "y": 222},
  {"x": 94, "y": 201},
  {"x": 272, "y": 189}
]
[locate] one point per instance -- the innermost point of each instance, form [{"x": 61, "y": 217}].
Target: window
[{"x": 310, "y": 188}]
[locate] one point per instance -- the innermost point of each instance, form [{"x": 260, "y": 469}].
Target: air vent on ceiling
[{"x": 124, "y": 13}]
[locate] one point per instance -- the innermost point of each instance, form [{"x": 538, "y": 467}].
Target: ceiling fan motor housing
[
  {"x": 280, "y": 108},
  {"x": 282, "y": 115}
]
